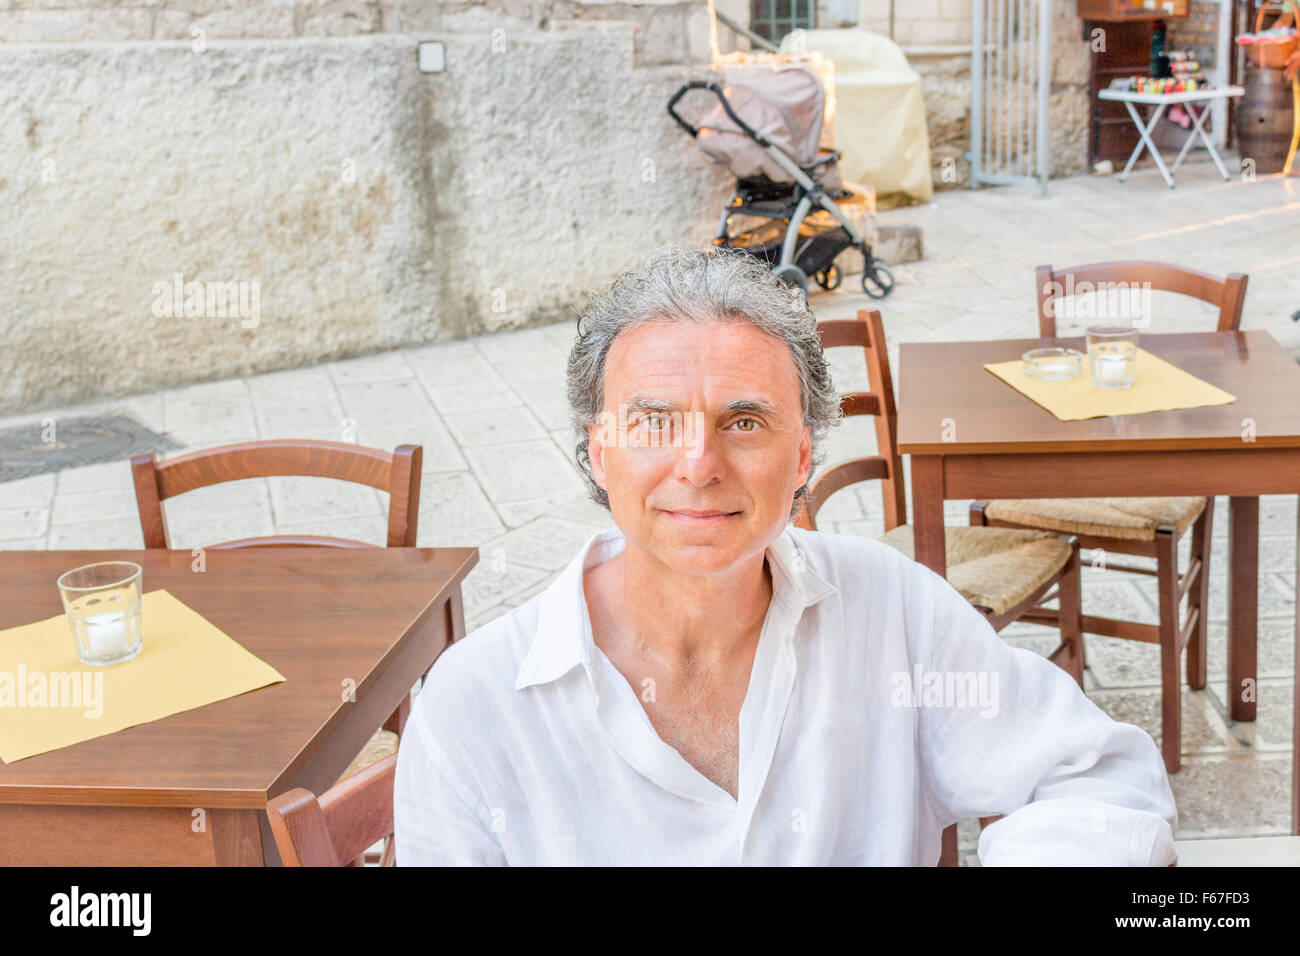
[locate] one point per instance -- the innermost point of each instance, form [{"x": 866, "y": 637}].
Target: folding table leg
[
  {"x": 1198, "y": 129},
  {"x": 1191, "y": 138},
  {"x": 1144, "y": 136}
]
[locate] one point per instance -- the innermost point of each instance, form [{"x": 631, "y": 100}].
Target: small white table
[{"x": 1160, "y": 101}]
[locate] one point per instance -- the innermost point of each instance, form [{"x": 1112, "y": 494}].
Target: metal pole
[
  {"x": 1022, "y": 102},
  {"x": 1028, "y": 50},
  {"x": 999, "y": 94},
  {"x": 1026, "y": 59},
  {"x": 1004, "y": 93},
  {"x": 977, "y": 95},
  {"x": 1031, "y": 55},
  {"x": 753, "y": 38},
  {"x": 1044, "y": 92}
]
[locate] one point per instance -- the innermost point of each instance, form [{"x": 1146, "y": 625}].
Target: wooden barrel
[{"x": 1265, "y": 119}]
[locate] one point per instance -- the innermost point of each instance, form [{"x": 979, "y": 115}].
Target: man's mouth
[{"x": 701, "y": 516}]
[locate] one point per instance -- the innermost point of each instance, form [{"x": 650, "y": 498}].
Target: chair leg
[
  {"x": 948, "y": 847},
  {"x": 1198, "y": 596},
  {"x": 1070, "y": 616},
  {"x": 1171, "y": 684},
  {"x": 385, "y": 857}
]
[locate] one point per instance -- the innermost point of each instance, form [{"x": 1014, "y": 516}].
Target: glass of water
[
  {"x": 103, "y": 605},
  {"x": 1112, "y": 355}
]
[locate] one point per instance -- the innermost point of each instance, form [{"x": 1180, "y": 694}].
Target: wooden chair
[
  {"x": 1228, "y": 294},
  {"x": 397, "y": 473},
  {"x": 336, "y": 828},
  {"x": 1149, "y": 527},
  {"x": 1004, "y": 573}
]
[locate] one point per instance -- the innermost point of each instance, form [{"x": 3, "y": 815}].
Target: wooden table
[
  {"x": 320, "y": 616},
  {"x": 971, "y": 435}
]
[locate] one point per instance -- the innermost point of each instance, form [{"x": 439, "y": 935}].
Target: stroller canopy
[{"x": 784, "y": 105}]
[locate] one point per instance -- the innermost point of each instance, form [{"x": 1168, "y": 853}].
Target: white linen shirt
[{"x": 527, "y": 746}]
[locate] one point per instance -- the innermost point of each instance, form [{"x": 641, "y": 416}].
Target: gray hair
[{"x": 683, "y": 284}]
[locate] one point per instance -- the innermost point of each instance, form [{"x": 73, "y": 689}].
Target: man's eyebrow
[
  {"x": 758, "y": 406},
  {"x": 640, "y": 403}
]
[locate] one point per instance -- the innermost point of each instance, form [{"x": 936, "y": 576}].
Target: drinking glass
[
  {"x": 103, "y": 605},
  {"x": 1112, "y": 355}
]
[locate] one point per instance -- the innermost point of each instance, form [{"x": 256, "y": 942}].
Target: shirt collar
[{"x": 563, "y": 638}]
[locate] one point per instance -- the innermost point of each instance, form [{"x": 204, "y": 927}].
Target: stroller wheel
[
  {"x": 793, "y": 276},
  {"x": 877, "y": 281},
  {"x": 830, "y": 278}
]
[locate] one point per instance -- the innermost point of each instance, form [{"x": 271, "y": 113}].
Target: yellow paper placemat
[
  {"x": 49, "y": 699},
  {"x": 1157, "y": 387}
]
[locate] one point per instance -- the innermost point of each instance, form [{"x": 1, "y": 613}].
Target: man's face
[{"x": 703, "y": 444}]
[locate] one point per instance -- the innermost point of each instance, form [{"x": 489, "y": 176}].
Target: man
[{"x": 709, "y": 685}]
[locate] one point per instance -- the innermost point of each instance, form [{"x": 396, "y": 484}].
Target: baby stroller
[{"x": 766, "y": 129}]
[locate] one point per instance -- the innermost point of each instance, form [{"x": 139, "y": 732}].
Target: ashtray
[{"x": 1053, "y": 365}]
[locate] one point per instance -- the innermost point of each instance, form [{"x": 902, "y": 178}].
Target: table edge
[{"x": 240, "y": 798}]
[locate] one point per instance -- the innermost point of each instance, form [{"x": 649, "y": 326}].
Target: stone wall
[
  {"x": 921, "y": 22},
  {"x": 368, "y": 205},
  {"x": 665, "y": 31}
]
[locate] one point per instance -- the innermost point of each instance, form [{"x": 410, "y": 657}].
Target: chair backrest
[
  {"x": 866, "y": 332},
  {"x": 398, "y": 474},
  {"x": 337, "y": 827},
  {"x": 1228, "y": 295}
]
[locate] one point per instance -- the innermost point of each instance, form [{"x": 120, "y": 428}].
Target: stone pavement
[{"x": 491, "y": 415}]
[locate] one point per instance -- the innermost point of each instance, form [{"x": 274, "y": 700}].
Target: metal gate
[{"x": 1011, "y": 82}]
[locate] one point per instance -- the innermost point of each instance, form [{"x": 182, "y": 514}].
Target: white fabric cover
[{"x": 879, "y": 117}]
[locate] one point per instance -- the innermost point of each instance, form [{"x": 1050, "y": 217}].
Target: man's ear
[
  {"x": 805, "y": 457},
  {"x": 597, "y": 438}
]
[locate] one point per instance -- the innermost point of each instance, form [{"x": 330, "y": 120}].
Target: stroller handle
[{"x": 716, "y": 90}]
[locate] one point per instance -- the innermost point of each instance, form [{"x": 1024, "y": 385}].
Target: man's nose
[{"x": 699, "y": 457}]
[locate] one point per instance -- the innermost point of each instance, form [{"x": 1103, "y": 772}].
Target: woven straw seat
[
  {"x": 996, "y": 568},
  {"x": 382, "y": 744},
  {"x": 1129, "y": 519}
]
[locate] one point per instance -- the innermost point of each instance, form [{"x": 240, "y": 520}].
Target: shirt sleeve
[
  {"x": 433, "y": 820},
  {"x": 1076, "y": 787}
]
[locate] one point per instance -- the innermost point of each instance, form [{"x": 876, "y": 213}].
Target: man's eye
[
  {"x": 746, "y": 425},
  {"x": 655, "y": 422}
]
